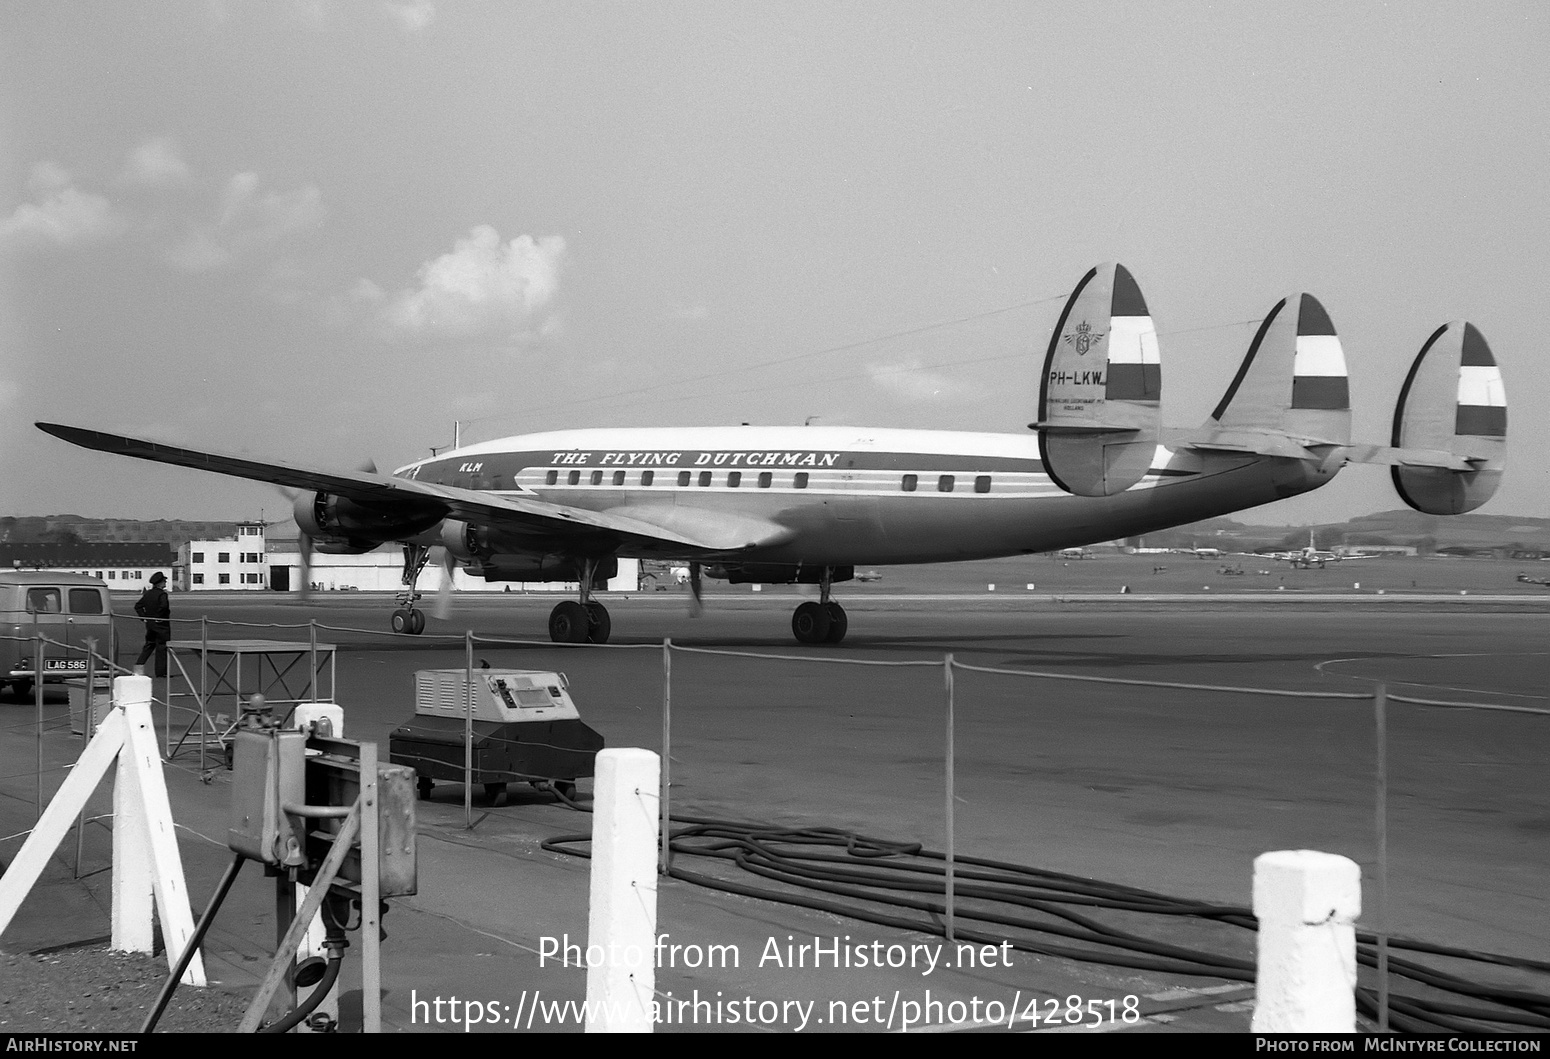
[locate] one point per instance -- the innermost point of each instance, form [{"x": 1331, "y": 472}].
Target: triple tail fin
[
  {"x": 1101, "y": 389},
  {"x": 1291, "y": 396},
  {"x": 1449, "y": 443}
]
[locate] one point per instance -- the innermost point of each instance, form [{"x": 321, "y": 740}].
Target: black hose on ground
[{"x": 902, "y": 885}]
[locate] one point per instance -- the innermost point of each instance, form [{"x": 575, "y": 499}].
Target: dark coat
[{"x": 154, "y": 606}]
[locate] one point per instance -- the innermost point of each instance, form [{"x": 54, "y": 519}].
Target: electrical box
[
  {"x": 334, "y": 778},
  {"x": 268, "y": 771}
]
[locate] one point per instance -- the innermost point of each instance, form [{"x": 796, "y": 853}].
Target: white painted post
[
  {"x": 139, "y": 753},
  {"x": 1307, "y": 904},
  {"x": 134, "y": 899},
  {"x": 622, "y": 926}
]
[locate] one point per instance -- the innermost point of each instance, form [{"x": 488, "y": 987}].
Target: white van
[{"x": 66, "y": 608}]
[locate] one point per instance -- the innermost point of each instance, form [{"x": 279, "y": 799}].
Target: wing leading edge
[{"x": 547, "y": 525}]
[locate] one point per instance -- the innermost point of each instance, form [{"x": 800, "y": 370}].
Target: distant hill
[{"x": 1506, "y": 536}]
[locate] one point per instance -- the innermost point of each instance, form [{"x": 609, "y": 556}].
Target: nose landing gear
[{"x": 406, "y": 619}]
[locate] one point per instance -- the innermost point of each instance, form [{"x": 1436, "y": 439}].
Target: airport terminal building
[{"x": 249, "y": 562}]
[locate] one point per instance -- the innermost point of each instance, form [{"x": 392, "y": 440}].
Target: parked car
[{"x": 68, "y": 609}]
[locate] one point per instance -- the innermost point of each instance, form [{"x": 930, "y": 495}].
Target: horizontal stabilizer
[
  {"x": 1100, "y": 392},
  {"x": 1449, "y": 442}
]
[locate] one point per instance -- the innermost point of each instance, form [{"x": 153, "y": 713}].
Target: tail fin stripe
[
  {"x": 1481, "y": 421},
  {"x": 1133, "y": 382},
  {"x": 1319, "y": 355},
  {"x": 1321, "y": 391},
  {"x": 1127, "y": 299},
  {"x": 1312, "y": 319},
  {"x": 1481, "y": 385},
  {"x": 1476, "y": 354},
  {"x": 1133, "y": 340}
]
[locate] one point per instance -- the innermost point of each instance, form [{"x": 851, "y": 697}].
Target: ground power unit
[{"x": 526, "y": 729}]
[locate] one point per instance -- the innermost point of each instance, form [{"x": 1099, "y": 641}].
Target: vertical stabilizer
[
  {"x": 1453, "y": 403},
  {"x": 1101, "y": 388},
  {"x": 1293, "y": 380}
]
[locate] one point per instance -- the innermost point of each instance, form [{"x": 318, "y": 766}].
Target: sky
[{"x": 326, "y": 232}]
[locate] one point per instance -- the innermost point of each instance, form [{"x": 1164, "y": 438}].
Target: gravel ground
[{"x": 99, "y": 991}]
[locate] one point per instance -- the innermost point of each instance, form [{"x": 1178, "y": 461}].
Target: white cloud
[
  {"x": 483, "y": 287},
  {"x": 60, "y": 214},
  {"x": 914, "y": 383},
  {"x": 48, "y": 176},
  {"x": 411, "y": 17},
  {"x": 156, "y": 163},
  {"x": 249, "y": 221}
]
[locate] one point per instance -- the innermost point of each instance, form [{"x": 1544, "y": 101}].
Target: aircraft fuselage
[{"x": 842, "y": 496}]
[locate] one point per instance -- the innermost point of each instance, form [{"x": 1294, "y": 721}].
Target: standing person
[{"x": 154, "y": 606}]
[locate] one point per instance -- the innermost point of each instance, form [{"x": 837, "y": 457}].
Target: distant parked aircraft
[
  {"x": 1201, "y": 553},
  {"x": 1311, "y": 556}
]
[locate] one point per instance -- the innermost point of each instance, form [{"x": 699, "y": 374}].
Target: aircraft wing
[{"x": 542, "y": 525}]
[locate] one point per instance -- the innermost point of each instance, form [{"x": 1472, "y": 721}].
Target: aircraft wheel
[
  {"x": 493, "y": 792},
  {"x": 810, "y": 623},
  {"x": 599, "y": 624},
  {"x": 568, "y": 623},
  {"x": 838, "y": 623},
  {"x": 423, "y": 785},
  {"x": 401, "y": 620},
  {"x": 416, "y": 622},
  {"x": 21, "y": 688}
]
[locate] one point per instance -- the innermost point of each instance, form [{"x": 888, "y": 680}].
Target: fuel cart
[{"x": 526, "y": 729}]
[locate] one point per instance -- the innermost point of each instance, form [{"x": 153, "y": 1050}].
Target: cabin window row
[
  {"x": 734, "y": 479},
  {"x": 945, "y": 483}
]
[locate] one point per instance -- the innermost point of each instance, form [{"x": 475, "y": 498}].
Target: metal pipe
[
  {"x": 193, "y": 943},
  {"x": 316, "y": 812}
]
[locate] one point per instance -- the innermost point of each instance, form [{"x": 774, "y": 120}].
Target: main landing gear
[
  {"x": 406, "y": 619},
  {"x": 584, "y": 620},
  {"x": 823, "y": 621}
]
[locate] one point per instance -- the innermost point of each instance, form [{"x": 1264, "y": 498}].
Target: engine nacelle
[
  {"x": 466, "y": 542},
  {"x": 545, "y": 568},
  {"x": 341, "y": 526}
]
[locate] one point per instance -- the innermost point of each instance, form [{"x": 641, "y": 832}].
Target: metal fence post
[
  {"x": 667, "y": 749},
  {"x": 89, "y": 727},
  {"x": 1380, "y": 714},
  {"x": 37, "y": 702},
  {"x": 947, "y": 674},
  {"x": 468, "y": 729}
]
